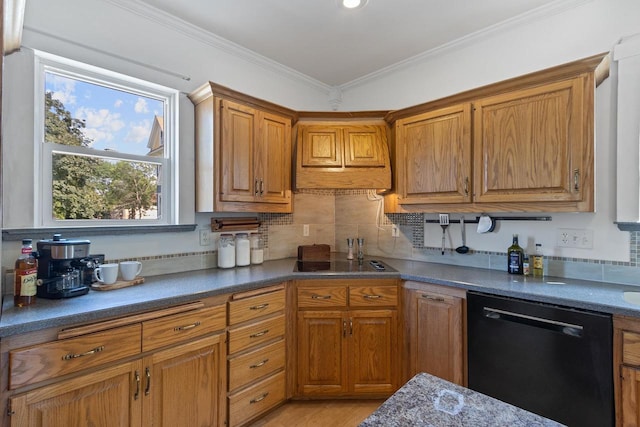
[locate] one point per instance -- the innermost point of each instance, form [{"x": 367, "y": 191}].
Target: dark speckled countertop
[
  {"x": 430, "y": 401},
  {"x": 170, "y": 289}
]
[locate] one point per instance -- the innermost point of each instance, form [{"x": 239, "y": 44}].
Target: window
[{"x": 107, "y": 145}]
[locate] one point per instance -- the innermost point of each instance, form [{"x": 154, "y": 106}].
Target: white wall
[{"x": 100, "y": 26}]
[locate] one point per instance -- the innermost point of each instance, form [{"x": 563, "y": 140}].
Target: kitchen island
[{"x": 430, "y": 401}]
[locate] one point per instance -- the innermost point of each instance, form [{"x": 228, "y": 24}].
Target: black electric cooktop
[{"x": 343, "y": 266}]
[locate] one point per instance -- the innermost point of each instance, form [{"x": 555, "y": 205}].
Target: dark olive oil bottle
[{"x": 515, "y": 257}]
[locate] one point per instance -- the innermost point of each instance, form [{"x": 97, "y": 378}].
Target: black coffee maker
[{"x": 65, "y": 268}]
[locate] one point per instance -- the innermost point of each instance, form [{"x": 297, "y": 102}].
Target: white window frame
[{"x": 43, "y": 193}]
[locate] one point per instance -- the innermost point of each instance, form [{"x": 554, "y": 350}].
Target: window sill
[{"x": 18, "y": 234}]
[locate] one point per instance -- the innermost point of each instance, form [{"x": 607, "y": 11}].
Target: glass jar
[
  {"x": 257, "y": 248},
  {"x": 243, "y": 250},
  {"x": 226, "y": 251}
]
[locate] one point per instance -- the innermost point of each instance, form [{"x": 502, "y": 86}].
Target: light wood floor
[{"x": 320, "y": 413}]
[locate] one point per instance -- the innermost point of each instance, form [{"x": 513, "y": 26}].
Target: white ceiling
[{"x": 336, "y": 46}]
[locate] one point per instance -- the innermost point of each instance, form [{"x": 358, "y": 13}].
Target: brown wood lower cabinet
[
  {"x": 626, "y": 370},
  {"x": 181, "y": 382},
  {"x": 435, "y": 331},
  {"x": 345, "y": 352},
  {"x": 257, "y": 353}
]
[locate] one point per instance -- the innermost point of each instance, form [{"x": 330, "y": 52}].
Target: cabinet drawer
[
  {"x": 322, "y": 296},
  {"x": 50, "y": 360},
  {"x": 376, "y": 296},
  {"x": 254, "y": 307},
  {"x": 256, "y": 399},
  {"x": 258, "y": 363},
  {"x": 168, "y": 330},
  {"x": 630, "y": 348},
  {"x": 256, "y": 333}
]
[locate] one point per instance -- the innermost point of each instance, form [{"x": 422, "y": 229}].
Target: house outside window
[{"x": 107, "y": 147}]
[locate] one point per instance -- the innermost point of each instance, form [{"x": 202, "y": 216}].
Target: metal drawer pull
[
  {"x": 259, "y": 334},
  {"x": 257, "y": 365},
  {"x": 576, "y": 179},
  {"x": 71, "y": 356},
  {"x": 184, "y": 328},
  {"x": 372, "y": 296},
  {"x": 137, "y": 393},
  {"x": 147, "y": 373},
  {"x": 259, "y": 307},
  {"x": 258, "y": 399},
  {"x": 316, "y": 296},
  {"x": 432, "y": 298}
]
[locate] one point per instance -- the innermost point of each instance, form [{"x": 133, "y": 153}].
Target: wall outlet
[
  {"x": 205, "y": 237},
  {"x": 574, "y": 238},
  {"x": 305, "y": 230},
  {"x": 395, "y": 231}
]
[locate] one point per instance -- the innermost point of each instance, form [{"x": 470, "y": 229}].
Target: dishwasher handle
[{"x": 539, "y": 322}]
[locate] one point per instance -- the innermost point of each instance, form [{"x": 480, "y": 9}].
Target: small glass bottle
[
  {"x": 25, "y": 277},
  {"x": 226, "y": 251},
  {"x": 515, "y": 257},
  {"x": 350, "y": 248},
  {"x": 243, "y": 250},
  {"x": 360, "y": 249},
  {"x": 525, "y": 265},
  {"x": 538, "y": 261},
  {"x": 257, "y": 248}
]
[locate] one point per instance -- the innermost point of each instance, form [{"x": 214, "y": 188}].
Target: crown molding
[
  {"x": 174, "y": 23},
  {"x": 524, "y": 18},
  {"x": 154, "y": 14}
]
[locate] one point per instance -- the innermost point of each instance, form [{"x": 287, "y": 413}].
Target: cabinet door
[
  {"x": 363, "y": 146},
  {"x": 184, "y": 385},
  {"x": 630, "y": 397},
  {"x": 434, "y": 150},
  {"x": 373, "y": 351},
  {"x": 436, "y": 336},
  {"x": 531, "y": 145},
  {"x": 322, "y": 353},
  {"x": 106, "y": 398},
  {"x": 237, "y": 146},
  {"x": 273, "y": 159},
  {"x": 321, "y": 146}
]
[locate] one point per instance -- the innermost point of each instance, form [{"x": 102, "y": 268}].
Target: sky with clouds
[{"x": 114, "y": 119}]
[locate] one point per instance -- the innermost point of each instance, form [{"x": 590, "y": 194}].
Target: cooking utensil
[
  {"x": 463, "y": 249},
  {"x": 444, "y": 223},
  {"x": 486, "y": 224}
]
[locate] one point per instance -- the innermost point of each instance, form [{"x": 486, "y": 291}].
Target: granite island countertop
[
  {"x": 426, "y": 401},
  {"x": 178, "y": 288}
]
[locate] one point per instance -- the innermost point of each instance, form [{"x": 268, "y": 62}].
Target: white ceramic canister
[
  {"x": 226, "y": 251},
  {"x": 243, "y": 250}
]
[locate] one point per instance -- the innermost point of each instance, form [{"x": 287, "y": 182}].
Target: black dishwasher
[{"x": 550, "y": 360}]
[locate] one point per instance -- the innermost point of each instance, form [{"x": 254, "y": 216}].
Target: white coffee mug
[
  {"x": 106, "y": 273},
  {"x": 130, "y": 269}
]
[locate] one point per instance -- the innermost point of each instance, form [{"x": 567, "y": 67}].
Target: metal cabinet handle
[
  {"x": 184, "y": 328},
  {"x": 71, "y": 356},
  {"x": 466, "y": 186},
  {"x": 432, "y": 298},
  {"x": 259, "y": 334},
  {"x": 137, "y": 393},
  {"x": 344, "y": 329},
  {"x": 257, "y": 365},
  {"x": 258, "y": 399},
  {"x": 351, "y": 326},
  {"x": 259, "y": 306},
  {"x": 147, "y": 373},
  {"x": 316, "y": 296},
  {"x": 576, "y": 179},
  {"x": 255, "y": 187},
  {"x": 372, "y": 296},
  {"x": 261, "y": 187}
]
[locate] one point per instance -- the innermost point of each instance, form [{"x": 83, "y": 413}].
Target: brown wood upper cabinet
[
  {"x": 339, "y": 155},
  {"x": 243, "y": 152},
  {"x": 524, "y": 144}
]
